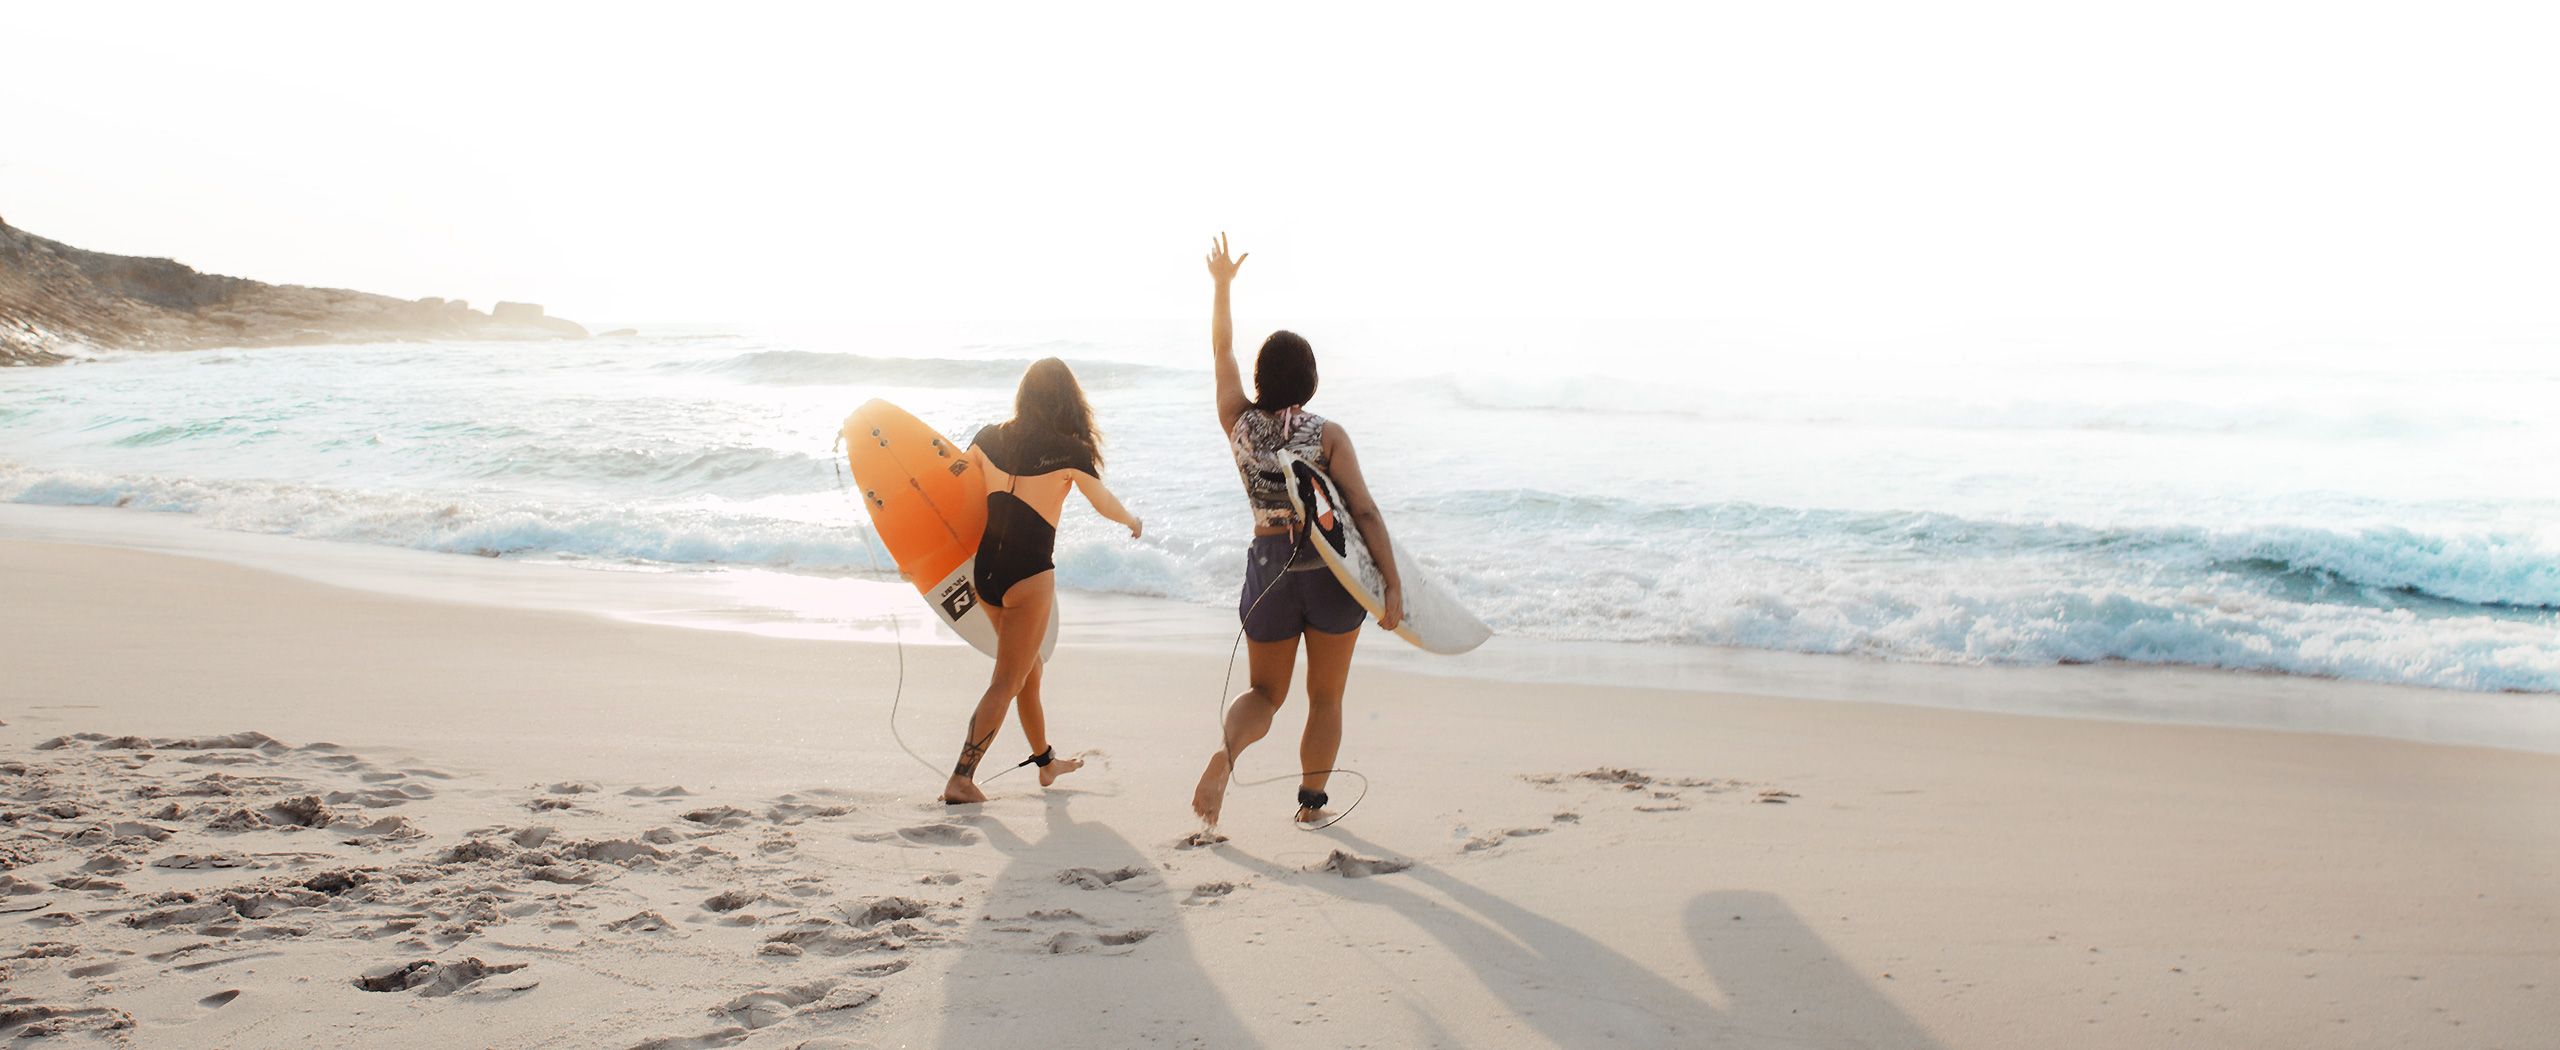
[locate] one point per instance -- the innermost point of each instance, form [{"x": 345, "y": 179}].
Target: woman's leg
[
  {"x": 1328, "y": 672},
  {"x": 1019, "y": 628},
  {"x": 1035, "y": 720},
  {"x": 1026, "y": 709},
  {"x": 1248, "y": 718}
]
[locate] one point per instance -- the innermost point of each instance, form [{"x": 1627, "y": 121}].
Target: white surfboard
[
  {"x": 1433, "y": 619},
  {"x": 955, "y": 602}
]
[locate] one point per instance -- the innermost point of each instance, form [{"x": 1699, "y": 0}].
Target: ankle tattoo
[{"x": 970, "y": 752}]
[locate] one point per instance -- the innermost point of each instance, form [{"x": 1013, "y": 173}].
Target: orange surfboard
[{"x": 928, "y": 505}]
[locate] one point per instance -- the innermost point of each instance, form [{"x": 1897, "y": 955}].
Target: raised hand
[{"x": 1221, "y": 268}]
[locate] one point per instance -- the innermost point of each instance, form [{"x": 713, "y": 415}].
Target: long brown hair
[{"x": 1051, "y": 400}]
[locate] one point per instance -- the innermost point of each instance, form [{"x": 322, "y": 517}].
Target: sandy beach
[
  {"x": 1905, "y": 528},
  {"x": 245, "y": 809}
]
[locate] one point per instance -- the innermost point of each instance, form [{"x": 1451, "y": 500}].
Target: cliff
[{"x": 54, "y": 297}]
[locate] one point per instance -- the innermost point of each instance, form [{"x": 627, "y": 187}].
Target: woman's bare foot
[
  {"x": 962, "y": 791},
  {"x": 1311, "y": 816},
  {"x": 1058, "y": 767},
  {"x": 1212, "y": 792}
]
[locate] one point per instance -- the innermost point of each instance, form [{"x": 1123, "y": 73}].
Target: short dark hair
[{"x": 1284, "y": 374}]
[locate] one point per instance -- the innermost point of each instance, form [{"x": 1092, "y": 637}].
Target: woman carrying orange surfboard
[
  {"x": 1288, "y": 593},
  {"x": 1029, "y": 462}
]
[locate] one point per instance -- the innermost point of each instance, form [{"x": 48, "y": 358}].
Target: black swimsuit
[{"x": 1019, "y": 543}]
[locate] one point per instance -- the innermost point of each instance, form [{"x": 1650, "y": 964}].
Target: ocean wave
[
  {"x": 182, "y": 433},
  {"x": 1944, "y": 589},
  {"x": 818, "y": 368},
  {"x": 690, "y": 534},
  {"x": 2487, "y": 569},
  {"x": 2483, "y": 569},
  {"x": 1954, "y": 409},
  {"x": 2461, "y": 610},
  {"x": 1995, "y": 611},
  {"x": 2452, "y": 610},
  {"x": 674, "y": 470}
]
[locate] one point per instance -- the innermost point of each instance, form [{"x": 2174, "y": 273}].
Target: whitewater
[{"x": 2379, "y": 513}]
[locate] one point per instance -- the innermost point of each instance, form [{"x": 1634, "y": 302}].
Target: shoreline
[
  {"x": 774, "y": 603},
  {"x": 608, "y": 833}
]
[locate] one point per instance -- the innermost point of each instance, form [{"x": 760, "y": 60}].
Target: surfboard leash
[
  {"x": 897, "y": 634},
  {"x": 898, "y": 694},
  {"x": 1225, "y": 701}
]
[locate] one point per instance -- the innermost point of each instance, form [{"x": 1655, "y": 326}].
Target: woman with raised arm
[
  {"x": 1288, "y": 593},
  {"x": 1030, "y": 462}
]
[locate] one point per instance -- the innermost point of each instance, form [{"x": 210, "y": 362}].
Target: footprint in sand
[
  {"x": 731, "y": 900},
  {"x": 196, "y": 861},
  {"x": 430, "y": 978},
  {"x": 878, "y": 910},
  {"x": 24, "y": 1019},
  {"x": 1656, "y": 794},
  {"x": 789, "y": 810},
  {"x": 1209, "y": 892},
  {"x": 1486, "y": 842},
  {"x": 719, "y": 817},
  {"x": 671, "y": 791},
  {"x": 878, "y": 969},
  {"x": 831, "y": 938},
  {"x": 1076, "y": 942},
  {"x": 1353, "y": 866},
  {"x": 642, "y": 922},
  {"x": 938, "y": 835},
  {"x": 1045, "y": 915},
  {"x": 766, "y": 1007},
  {"x": 1095, "y": 879}
]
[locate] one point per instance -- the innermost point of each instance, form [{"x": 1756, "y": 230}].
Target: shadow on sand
[
  {"x": 1787, "y": 988},
  {"x": 1159, "y": 995}
]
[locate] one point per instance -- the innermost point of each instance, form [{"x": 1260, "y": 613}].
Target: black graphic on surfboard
[{"x": 1433, "y": 619}]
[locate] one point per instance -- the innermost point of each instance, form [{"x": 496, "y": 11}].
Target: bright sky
[{"x": 1836, "y": 164}]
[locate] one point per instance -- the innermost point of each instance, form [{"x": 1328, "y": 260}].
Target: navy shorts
[{"x": 1304, "y": 597}]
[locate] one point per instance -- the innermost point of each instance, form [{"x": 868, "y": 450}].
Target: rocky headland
[{"x": 55, "y": 299}]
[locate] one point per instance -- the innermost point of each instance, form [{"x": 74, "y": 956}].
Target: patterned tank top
[{"x": 1254, "y": 439}]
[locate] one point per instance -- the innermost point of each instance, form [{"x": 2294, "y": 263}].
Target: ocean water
[{"x": 2386, "y": 512}]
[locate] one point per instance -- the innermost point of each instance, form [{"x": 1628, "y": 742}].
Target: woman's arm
[
  {"x": 1364, "y": 512},
  {"x": 1106, "y": 504},
  {"x": 1222, "y": 336}
]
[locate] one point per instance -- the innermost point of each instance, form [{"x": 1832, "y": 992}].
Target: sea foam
[{"x": 2382, "y": 527}]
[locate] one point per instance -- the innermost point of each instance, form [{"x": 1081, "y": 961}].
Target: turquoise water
[{"x": 2381, "y": 514}]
